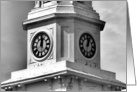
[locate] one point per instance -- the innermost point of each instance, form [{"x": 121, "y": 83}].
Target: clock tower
[
  {"x": 70, "y": 33},
  {"x": 63, "y": 50}
]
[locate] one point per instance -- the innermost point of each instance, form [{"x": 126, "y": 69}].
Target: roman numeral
[
  {"x": 39, "y": 54},
  {"x": 91, "y": 40},
  {"x": 47, "y": 46},
  {"x": 88, "y": 54},
  {"x": 91, "y": 53},
  {"x": 39, "y": 37},
  {"x": 81, "y": 41},
  {"x": 36, "y": 40},
  {"x": 43, "y": 53},
  {"x": 93, "y": 44},
  {"x": 82, "y": 38},
  {"x": 46, "y": 37},
  {"x": 35, "y": 44},
  {"x": 85, "y": 36},
  {"x": 35, "y": 49},
  {"x": 81, "y": 45},
  {"x": 85, "y": 53},
  {"x": 47, "y": 41}
]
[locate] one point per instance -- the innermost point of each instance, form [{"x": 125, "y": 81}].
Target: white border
[{"x": 133, "y": 24}]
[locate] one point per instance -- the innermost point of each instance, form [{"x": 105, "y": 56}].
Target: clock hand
[
  {"x": 41, "y": 42},
  {"x": 88, "y": 42},
  {"x": 89, "y": 47},
  {"x": 85, "y": 44}
]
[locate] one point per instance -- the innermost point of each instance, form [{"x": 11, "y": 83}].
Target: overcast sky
[
  {"x": 113, "y": 37},
  {"x": 14, "y": 39}
]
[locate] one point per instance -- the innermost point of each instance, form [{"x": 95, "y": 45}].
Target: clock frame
[
  {"x": 87, "y": 45},
  {"x": 41, "y": 45}
]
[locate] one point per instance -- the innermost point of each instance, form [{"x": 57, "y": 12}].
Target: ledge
[
  {"x": 59, "y": 69},
  {"x": 63, "y": 15}
]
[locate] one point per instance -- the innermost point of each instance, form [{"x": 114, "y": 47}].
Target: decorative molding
[
  {"x": 52, "y": 30},
  {"x": 31, "y": 62},
  {"x": 79, "y": 84},
  {"x": 50, "y": 84},
  {"x": 64, "y": 45},
  {"x": 31, "y": 35},
  {"x": 70, "y": 83},
  {"x": 61, "y": 83}
]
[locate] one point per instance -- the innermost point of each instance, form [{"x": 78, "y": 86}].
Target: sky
[
  {"x": 113, "y": 37},
  {"x": 14, "y": 38}
]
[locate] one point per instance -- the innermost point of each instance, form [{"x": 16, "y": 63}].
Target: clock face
[
  {"x": 41, "y": 45},
  {"x": 87, "y": 45}
]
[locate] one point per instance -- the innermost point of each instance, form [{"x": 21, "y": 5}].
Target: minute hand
[
  {"x": 41, "y": 44},
  {"x": 88, "y": 41}
]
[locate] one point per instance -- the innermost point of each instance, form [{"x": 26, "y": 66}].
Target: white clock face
[
  {"x": 41, "y": 45},
  {"x": 87, "y": 45}
]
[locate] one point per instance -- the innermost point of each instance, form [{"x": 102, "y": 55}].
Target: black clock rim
[
  {"x": 93, "y": 42},
  {"x": 33, "y": 41}
]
